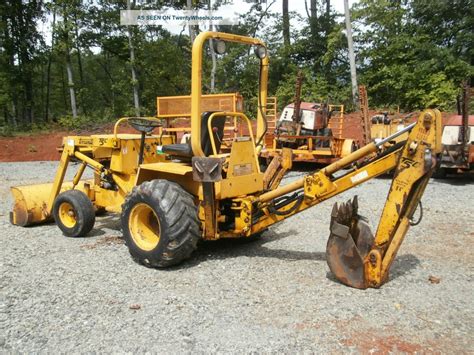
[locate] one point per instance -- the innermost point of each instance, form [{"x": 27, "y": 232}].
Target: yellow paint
[
  {"x": 144, "y": 227},
  {"x": 67, "y": 215},
  {"x": 31, "y": 201},
  {"x": 196, "y": 83},
  {"x": 239, "y": 186},
  {"x": 171, "y": 167},
  {"x": 225, "y": 114},
  {"x": 342, "y": 184},
  {"x": 243, "y": 153}
]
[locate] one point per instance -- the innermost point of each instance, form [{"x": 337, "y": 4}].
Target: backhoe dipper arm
[
  {"x": 353, "y": 254},
  {"x": 414, "y": 170},
  {"x": 355, "y": 257}
]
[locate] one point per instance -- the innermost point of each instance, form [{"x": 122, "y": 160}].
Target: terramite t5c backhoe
[{"x": 171, "y": 195}]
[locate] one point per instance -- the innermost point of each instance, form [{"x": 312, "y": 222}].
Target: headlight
[
  {"x": 260, "y": 52},
  {"x": 219, "y": 46}
]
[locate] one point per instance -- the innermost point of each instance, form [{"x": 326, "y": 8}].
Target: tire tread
[{"x": 180, "y": 216}]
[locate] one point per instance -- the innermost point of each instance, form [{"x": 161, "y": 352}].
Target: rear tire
[
  {"x": 74, "y": 213},
  {"x": 160, "y": 223}
]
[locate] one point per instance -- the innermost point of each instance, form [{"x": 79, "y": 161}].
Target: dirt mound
[{"x": 31, "y": 148}]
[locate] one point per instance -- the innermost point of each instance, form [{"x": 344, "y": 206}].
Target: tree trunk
[
  {"x": 351, "y": 52},
  {"x": 64, "y": 90},
  {"x": 313, "y": 19},
  {"x": 313, "y": 9},
  {"x": 286, "y": 24},
  {"x": 107, "y": 71},
  {"x": 25, "y": 67},
  {"x": 70, "y": 77},
  {"x": 70, "y": 82},
  {"x": 328, "y": 8},
  {"x": 192, "y": 33},
  {"x": 48, "y": 72},
  {"x": 79, "y": 62},
  {"x": 136, "y": 98},
  {"x": 14, "y": 96},
  {"x": 213, "y": 54},
  {"x": 14, "y": 116},
  {"x": 29, "y": 96}
]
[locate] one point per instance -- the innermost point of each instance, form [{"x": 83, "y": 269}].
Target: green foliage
[
  {"x": 82, "y": 121},
  {"x": 415, "y": 53},
  {"x": 411, "y": 53}
]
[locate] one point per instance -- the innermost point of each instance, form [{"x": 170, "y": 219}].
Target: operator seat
[{"x": 185, "y": 151}]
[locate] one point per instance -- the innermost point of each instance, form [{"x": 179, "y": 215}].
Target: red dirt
[
  {"x": 370, "y": 343},
  {"x": 44, "y": 146},
  {"x": 31, "y": 148}
]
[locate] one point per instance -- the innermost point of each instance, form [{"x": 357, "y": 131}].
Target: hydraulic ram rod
[{"x": 334, "y": 167}]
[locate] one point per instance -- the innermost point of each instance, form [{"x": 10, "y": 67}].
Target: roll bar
[{"x": 196, "y": 84}]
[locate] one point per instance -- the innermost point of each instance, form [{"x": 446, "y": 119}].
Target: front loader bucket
[
  {"x": 31, "y": 202},
  {"x": 348, "y": 245}
]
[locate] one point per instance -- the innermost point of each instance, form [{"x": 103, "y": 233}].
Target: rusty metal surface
[
  {"x": 209, "y": 205},
  {"x": 297, "y": 100},
  {"x": 348, "y": 244},
  {"x": 364, "y": 110},
  {"x": 280, "y": 164},
  {"x": 207, "y": 169}
]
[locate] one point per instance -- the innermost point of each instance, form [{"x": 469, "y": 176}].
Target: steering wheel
[{"x": 144, "y": 124}]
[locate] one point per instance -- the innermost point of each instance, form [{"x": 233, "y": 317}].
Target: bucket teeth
[{"x": 348, "y": 244}]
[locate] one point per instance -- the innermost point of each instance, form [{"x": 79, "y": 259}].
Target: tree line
[{"x": 88, "y": 68}]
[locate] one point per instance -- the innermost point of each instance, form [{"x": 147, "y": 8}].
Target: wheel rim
[
  {"x": 67, "y": 214},
  {"x": 144, "y": 227}
]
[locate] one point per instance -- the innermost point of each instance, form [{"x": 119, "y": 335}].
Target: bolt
[
  {"x": 372, "y": 259},
  {"x": 427, "y": 120}
]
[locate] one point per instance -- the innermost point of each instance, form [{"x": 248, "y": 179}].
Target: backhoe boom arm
[{"x": 355, "y": 256}]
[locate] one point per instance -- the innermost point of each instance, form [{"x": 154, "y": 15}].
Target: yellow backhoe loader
[{"x": 171, "y": 195}]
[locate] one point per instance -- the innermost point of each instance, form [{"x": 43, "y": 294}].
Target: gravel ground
[{"x": 273, "y": 295}]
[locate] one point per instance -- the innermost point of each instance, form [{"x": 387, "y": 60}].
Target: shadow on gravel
[
  {"x": 402, "y": 265},
  {"x": 255, "y": 247},
  {"x": 456, "y": 180},
  {"x": 109, "y": 221}
]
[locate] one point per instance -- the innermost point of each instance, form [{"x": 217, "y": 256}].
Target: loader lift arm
[{"x": 354, "y": 255}]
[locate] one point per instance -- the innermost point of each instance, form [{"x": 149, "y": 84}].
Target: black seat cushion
[
  {"x": 180, "y": 150},
  {"x": 185, "y": 150}
]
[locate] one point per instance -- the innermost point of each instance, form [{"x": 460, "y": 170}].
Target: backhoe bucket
[
  {"x": 31, "y": 202},
  {"x": 348, "y": 245}
]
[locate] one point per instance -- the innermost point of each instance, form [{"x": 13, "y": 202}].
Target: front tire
[
  {"x": 160, "y": 223},
  {"x": 74, "y": 213}
]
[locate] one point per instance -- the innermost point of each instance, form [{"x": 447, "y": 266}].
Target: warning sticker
[
  {"x": 359, "y": 177},
  {"x": 242, "y": 169}
]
